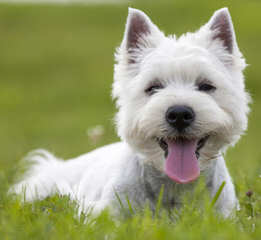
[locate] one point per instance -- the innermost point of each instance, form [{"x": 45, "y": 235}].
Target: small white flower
[{"x": 95, "y": 133}]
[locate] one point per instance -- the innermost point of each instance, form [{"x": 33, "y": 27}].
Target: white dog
[{"x": 181, "y": 103}]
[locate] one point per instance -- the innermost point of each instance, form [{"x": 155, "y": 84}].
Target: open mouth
[{"x": 182, "y": 155}]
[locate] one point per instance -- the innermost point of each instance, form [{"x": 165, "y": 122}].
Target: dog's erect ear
[
  {"x": 140, "y": 34},
  {"x": 222, "y": 27},
  {"x": 138, "y": 26}
]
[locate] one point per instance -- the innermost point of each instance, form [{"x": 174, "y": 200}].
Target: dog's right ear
[{"x": 140, "y": 36}]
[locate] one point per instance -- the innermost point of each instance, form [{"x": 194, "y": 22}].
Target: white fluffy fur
[{"x": 135, "y": 165}]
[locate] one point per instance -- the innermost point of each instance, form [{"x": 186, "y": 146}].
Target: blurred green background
[{"x": 56, "y": 71}]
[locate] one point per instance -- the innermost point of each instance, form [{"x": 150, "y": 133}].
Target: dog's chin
[{"x": 182, "y": 157}]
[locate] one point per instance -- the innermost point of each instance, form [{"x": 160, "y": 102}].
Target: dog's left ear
[
  {"x": 220, "y": 32},
  {"x": 222, "y": 27}
]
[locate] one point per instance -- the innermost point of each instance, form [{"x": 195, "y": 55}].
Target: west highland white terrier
[{"x": 181, "y": 102}]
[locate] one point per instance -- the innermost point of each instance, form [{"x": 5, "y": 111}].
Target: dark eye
[
  {"x": 153, "y": 88},
  {"x": 206, "y": 87}
]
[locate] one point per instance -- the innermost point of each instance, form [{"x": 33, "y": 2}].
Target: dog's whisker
[{"x": 207, "y": 158}]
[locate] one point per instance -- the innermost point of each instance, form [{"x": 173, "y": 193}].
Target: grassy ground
[{"x": 56, "y": 68}]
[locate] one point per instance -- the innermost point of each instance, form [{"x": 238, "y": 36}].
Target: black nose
[{"x": 180, "y": 117}]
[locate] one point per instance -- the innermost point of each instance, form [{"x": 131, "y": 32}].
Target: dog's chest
[{"x": 156, "y": 185}]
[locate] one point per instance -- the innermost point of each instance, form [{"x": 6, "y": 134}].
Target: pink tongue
[{"x": 182, "y": 164}]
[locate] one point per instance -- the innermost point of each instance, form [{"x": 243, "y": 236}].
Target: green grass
[{"x": 56, "y": 71}]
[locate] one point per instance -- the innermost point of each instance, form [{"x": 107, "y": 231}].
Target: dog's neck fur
[{"x": 153, "y": 181}]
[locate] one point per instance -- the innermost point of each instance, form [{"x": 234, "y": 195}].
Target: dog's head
[{"x": 181, "y": 101}]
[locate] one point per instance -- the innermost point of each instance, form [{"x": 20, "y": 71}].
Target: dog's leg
[{"x": 227, "y": 201}]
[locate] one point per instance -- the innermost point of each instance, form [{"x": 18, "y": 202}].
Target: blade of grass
[
  {"x": 159, "y": 202},
  {"x": 129, "y": 205},
  {"x": 217, "y": 195},
  {"x": 119, "y": 200}
]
